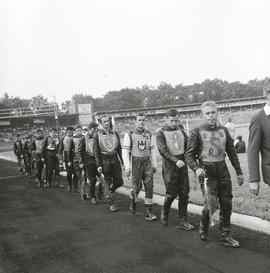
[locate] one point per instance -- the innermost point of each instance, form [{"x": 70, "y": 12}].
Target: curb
[{"x": 241, "y": 220}]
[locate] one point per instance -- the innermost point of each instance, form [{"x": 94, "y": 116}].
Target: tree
[
  {"x": 124, "y": 99},
  {"x": 82, "y": 98},
  {"x": 38, "y": 101},
  {"x": 13, "y": 102}
]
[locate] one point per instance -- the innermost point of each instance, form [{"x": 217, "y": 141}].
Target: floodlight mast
[{"x": 55, "y": 107}]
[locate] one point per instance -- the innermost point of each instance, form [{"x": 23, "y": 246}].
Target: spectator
[
  {"x": 240, "y": 145},
  {"x": 231, "y": 127}
]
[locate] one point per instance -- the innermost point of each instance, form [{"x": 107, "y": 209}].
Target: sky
[{"x": 63, "y": 47}]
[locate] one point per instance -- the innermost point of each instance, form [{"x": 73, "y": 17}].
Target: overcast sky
[{"x": 64, "y": 47}]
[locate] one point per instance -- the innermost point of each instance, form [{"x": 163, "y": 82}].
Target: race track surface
[{"x": 51, "y": 230}]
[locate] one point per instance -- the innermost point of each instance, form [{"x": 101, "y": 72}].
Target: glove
[
  {"x": 99, "y": 169},
  {"x": 128, "y": 171},
  {"x": 254, "y": 187},
  {"x": 240, "y": 180},
  {"x": 180, "y": 163},
  {"x": 200, "y": 172}
]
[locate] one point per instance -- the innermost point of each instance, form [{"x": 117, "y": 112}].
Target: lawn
[{"x": 4, "y": 147}]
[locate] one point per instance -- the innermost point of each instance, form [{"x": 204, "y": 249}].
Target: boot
[
  {"x": 203, "y": 233},
  {"x": 20, "y": 170},
  {"x": 93, "y": 200},
  {"x": 182, "y": 212},
  {"x": 38, "y": 183},
  {"x": 100, "y": 193},
  {"x": 83, "y": 197},
  {"x": 133, "y": 201},
  {"x": 204, "y": 225},
  {"x": 148, "y": 213},
  {"x": 166, "y": 209},
  {"x": 112, "y": 206},
  {"x": 227, "y": 240},
  {"x": 164, "y": 217},
  {"x": 185, "y": 225}
]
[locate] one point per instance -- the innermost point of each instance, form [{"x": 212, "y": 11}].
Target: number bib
[
  {"x": 89, "y": 145},
  {"x": 140, "y": 145},
  {"x": 214, "y": 143},
  {"x": 66, "y": 142},
  {"x": 76, "y": 141},
  {"x": 175, "y": 141},
  {"x": 38, "y": 145},
  {"x": 108, "y": 143},
  {"x": 52, "y": 143}
]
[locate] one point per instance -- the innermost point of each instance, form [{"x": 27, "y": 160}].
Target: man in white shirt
[{"x": 139, "y": 158}]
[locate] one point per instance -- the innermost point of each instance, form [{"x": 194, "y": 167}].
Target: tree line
[{"x": 149, "y": 96}]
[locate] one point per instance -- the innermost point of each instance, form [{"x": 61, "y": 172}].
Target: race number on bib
[
  {"x": 214, "y": 143},
  {"x": 175, "y": 142}
]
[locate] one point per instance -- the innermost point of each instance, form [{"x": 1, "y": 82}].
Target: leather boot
[
  {"x": 204, "y": 226},
  {"x": 165, "y": 210},
  {"x": 149, "y": 214},
  {"x": 227, "y": 240},
  {"x": 133, "y": 201}
]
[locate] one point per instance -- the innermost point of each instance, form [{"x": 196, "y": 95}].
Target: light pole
[{"x": 55, "y": 108}]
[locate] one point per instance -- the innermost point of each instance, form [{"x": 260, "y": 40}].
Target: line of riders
[{"x": 94, "y": 156}]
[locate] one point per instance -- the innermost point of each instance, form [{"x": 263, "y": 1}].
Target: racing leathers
[
  {"x": 139, "y": 156},
  {"x": 172, "y": 143},
  {"x": 27, "y": 156},
  {"x": 49, "y": 155},
  {"x": 36, "y": 147},
  {"x": 108, "y": 155},
  {"x": 63, "y": 151},
  {"x": 206, "y": 149},
  {"x": 86, "y": 150},
  {"x": 17, "y": 149},
  {"x": 75, "y": 160}
]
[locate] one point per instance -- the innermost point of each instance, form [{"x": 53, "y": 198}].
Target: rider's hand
[
  {"x": 200, "y": 172},
  {"x": 240, "y": 180},
  {"x": 254, "y": 187},
  {"x": 180, "y": 163},
  {"x": 128, "y": 171}
]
